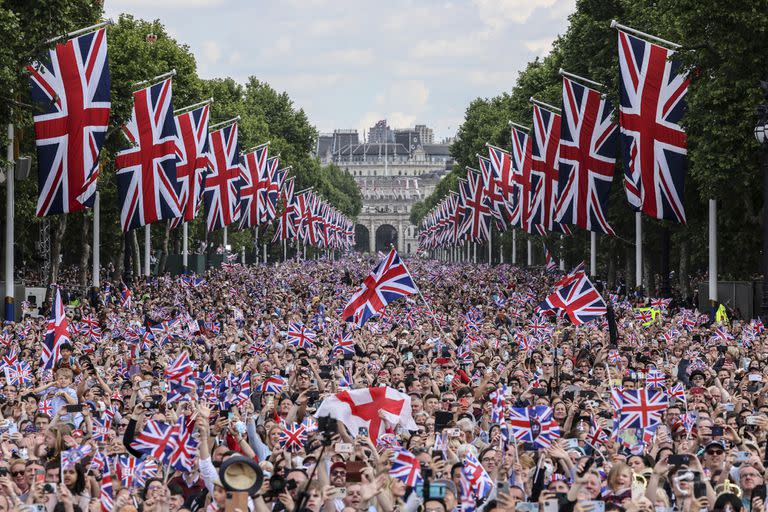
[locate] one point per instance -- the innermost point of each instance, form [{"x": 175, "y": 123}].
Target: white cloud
[
  {"x": 350, "y": 56},
  {"x": 501, "y": 80},
  {"x": 394, "y": 120},
  {"x": 540, "y": 46},
  {"x": 128, "y": 5},
  {"x": 405, "y": 95},
  {"x": 498, "y": 13},
  {"x": 211, "y": 53}
]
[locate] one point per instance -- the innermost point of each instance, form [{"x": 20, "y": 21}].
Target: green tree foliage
[
  {"x": 725, "y": 49},
  {"x": 266, "y": 115}
]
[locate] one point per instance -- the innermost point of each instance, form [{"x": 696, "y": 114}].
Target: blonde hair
[{"x": 614, "y": 472}]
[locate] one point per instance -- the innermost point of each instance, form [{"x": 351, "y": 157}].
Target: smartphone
[
  {"x": 39, "y": 476},
  {"x": 550, "y": 505},
  {"x": 758, "y": 492},
  {"x": 717, "y": 431},
  {"x": 751, "y": 420},
  {"x": 453, "y": 432},
  {"x": 362, "y": 431},
  {"x": 442, "y": 418},
  {"x": 503, "y": 486},
  {"x": 538, "y": 391},
  {"x": 438, "y": 454},
  {"x": 755, "y": 377},
  {"x": 3, "y": 471},
  {"x": 679, "y": 460},
  {"x": 699, "y": 489},
  {"x": 343, "y": 448},
  {"x": 145, "y": 384},
  {"x": 240, "y": 427},
  {"x": 525, "y": 506},
  {"x": 594, "y": 505},
  {"x": 728, "y": 407},
  {"x": 313, "y": 396},
  {"x": 741, "y": 456},
  {"x": 74, "y": 408},
  {"x": 325, "y": 371}
]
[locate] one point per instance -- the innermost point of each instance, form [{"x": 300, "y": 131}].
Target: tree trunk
[
  {"x": 164, "y": 254},
  {"x": 85, "y": 255},
  {"x": 685, "y": 285},
  {"x": 58, "y": 237},
  {"x": 611, "y": 277},
  {"x": 136, "y": 254}
]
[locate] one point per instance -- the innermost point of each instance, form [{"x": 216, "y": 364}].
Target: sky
[{"x": 350, "y": 64}]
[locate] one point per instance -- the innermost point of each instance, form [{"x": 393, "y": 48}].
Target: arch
[
  {"x": 362, "y": 238},
  {"x": 386, "y": 235}
]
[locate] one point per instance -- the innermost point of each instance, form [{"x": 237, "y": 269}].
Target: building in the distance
[{"x": 394, "y": 169}]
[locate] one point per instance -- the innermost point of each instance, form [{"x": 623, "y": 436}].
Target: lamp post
[{"x": 761, "y": 134}]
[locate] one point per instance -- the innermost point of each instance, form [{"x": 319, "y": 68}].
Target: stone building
[{"x": 392, "y": 176}]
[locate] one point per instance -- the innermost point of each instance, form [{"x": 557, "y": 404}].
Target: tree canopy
[{"x": 725, "y": 51}]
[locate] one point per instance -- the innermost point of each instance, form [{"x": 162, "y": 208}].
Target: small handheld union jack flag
[
  {"x": 292, "y": 437},
  {"x": 479, "y": 480},
  {"x": 300, "y": 336},
  {"x": 406, "y": 468}
]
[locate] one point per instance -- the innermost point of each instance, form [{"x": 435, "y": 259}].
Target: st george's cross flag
[
  {"x": 378, "y": 409},
  {"x": 387, "y": 282},
  {"x": 71, "y": 86}
]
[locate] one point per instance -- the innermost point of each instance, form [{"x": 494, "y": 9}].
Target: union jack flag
[
  {"x": 292, "y": 437},
  {"x": 105, "y": 494},
  {"x": 45, "y": 407},
  {"x": 300, "y": 335},
  {"x": 597, "y": 434},
  {"x": 406, "y": 468},
  {"x": 99, "y": 462},
  {"x": 652, "y": 90},
  {"x": 71, "y": 85},
  {"x": 125, "y": 298},
  {"x": 677, "y": 391},
  {"x": 641, "y": 408},
  {"x": 521, "y": 167},
  {"x": 56, "y": 335},
  {"x": 343, "y": 344},
  {"x": 288, "y": 218},
  {"x": 154, "y": 439},
  {"x": 578, "y": 299},
  {"x": 10, "y": 358},
  {"x": 477, "y": 223},
  {"x": 18, "y": 374},
  {"x": 183, "y": 447},
  {"x": 194, "y": 160},
  {"x": 388, "y": 281},
  {"x": 494, "y": 193},
  {"x": 92, "y": 328},
  {"x": 479, "y": 481},
  {"x": 655, "y": 379},
  {"x": 69, "y": 458},
  {"x": 254, "y": 182},
  {"x": 643, "y": 316},
  {"x": 272, "y": 192},
  {"x": 273, "y": 384},
  {"x": 101, "y": 429},
  {"x": 551, "y": 263},
  {"x": 146, "y": 176},
  {"x": 134, "y": 473},
  {"x": 506, "y": 183},
  {"x": 221, "y": 191},
  {"x": 180, "y": 375},
  {"x": 587, "y": 158},
  {"x": 544, "y": 174},
  {"x": 534, "y": 425}
]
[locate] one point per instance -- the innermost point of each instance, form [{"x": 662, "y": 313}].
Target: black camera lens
[
  {"x": 48, "y": 488},
  {"x": 277, "y": 484}
]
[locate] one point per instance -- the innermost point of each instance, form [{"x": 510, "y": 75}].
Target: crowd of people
[{"x": 651, "y": 407}]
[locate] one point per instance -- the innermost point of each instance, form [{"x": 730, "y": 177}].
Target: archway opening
[
  {"x": 386, "y": 236},
  {"x": 362, "y": 238}
]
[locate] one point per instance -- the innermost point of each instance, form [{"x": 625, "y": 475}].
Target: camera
[{"x": 278, "y": 484}]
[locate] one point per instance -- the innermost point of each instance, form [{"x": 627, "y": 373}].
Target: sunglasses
[
  {"x": 714, "y": 452},
  {"x": 17, "y": 473}
]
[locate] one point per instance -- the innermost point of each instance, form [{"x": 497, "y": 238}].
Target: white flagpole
[
  {"x": 562, "y": 253},
  {"x": 225, "y": 238},
  {"x": 185, "y": 247},
  {"x": 713, "y": 249},
  {"x": 593, "y": 253},
  {"x": 638, "y": 250},
  {"x": 514, "y": 247},
  {"x": 474, "y": 252},
  {"x": 285, "y": 250},
  {"x": 530, "y": 253},
  {"x": 490, "y": 246},
  {"x": 10, "y": 181},
  {"x": 95, "y": 271},
  {"x": 147, "y": 249}
]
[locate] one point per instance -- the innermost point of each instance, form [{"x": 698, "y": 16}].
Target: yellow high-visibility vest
[{"x": 721, "y": 316}]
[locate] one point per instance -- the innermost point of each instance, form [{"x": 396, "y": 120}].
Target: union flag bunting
[
  {"x": 71, "y": 87},
  {"x": 387, "y": 282},
  {"x": 587, "y": 158},
  {"x": 146, "y": 176},
  {"x": 194, "y": 160},
  {"x": 652, "y": 91},
  {"x": 222, "y": 184}
]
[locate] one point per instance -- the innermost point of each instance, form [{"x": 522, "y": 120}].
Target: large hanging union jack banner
[
  {"x": 521, "y": 168},
  {"x": 494, "y": 194},
  {"x": 652, "y": 91},
  {"x": 388, "y": 281},
  {"x": 72, "y": 86},
  {"x": 221, "y": 184},
  {"x": 477, "y": 223},
  {"x": 194, "y": 160},
  {"x": 146, "y": 176},
  {"x": 253, "y": 180},
  {"x": 544, "y": 174},
  {"x": 587, "y": 158}
]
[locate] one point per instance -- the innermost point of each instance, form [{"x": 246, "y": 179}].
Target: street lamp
[{"x": 761, "y": 134}]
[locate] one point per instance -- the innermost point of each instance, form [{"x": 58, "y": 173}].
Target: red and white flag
[{"x": 378, "y": 409}]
